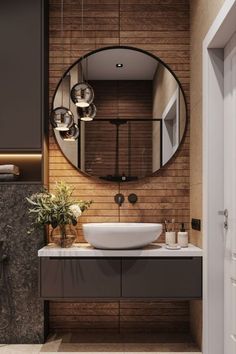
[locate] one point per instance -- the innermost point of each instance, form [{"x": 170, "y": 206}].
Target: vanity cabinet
[{"x": 164, "y": 277}]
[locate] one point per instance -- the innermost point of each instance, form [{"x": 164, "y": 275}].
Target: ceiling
[{"x": 136, "y": 65}]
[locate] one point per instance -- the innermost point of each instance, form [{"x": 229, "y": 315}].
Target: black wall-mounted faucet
[{"x": 119, "y": 199}]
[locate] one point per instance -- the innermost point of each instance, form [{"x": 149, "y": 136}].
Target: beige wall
[
  {"x": 202, "y": 15},
  {"x": 164, "y": 86}
]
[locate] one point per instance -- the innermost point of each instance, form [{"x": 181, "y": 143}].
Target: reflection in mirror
[{"x": 136, "y": 121}]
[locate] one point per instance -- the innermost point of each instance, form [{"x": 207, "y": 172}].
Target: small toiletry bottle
[
  {"x": 170, "y": 238},
  {"x": 182, "y": 237},
  {"x": 170, "y": 235}
]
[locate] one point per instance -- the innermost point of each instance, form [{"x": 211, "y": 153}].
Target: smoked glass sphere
[
  {"x": 87, "y": 114},
  {"x": 82, "y": 94},
  {"x": 72, "y": 134},
  {"x": 61, "y": 119}
]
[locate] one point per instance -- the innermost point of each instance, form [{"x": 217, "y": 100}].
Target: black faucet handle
[
  {"x": 119, "y": 199},
  {"x": 132, "y": 198}
]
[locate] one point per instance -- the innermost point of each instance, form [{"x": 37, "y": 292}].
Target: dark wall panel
[
  {"x": 21, "y": 74},
  {"x": 21, "y": 311}
]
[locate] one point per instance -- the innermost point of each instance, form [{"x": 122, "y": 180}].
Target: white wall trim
[
  {"x": 223, "y": 26},
  {"x": 213, "y": 109},
  {"x": 213, "y": 183},
  {"x": 168, "y": 150},
  {"x": 172, "y": 100}
]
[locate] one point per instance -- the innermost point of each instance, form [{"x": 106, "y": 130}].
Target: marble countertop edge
[{"x": 85, "y": 250}]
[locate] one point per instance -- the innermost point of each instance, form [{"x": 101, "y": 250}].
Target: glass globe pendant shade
[
  {"x": 82, "y": 94},
  {"x": 61, "y": 119},
  {"x": 70, "y": 135},
  {"x": 87, "y": 114}
]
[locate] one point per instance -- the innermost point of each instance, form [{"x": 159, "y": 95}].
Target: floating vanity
[{"x": 82, "y": 272}]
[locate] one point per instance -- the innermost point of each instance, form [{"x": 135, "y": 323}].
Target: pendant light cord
[
  {"x": 62, "y": 45},
  {"x": 70, "y": 55},
  {"x": 119, "y": 23},
  {"x": 62, "y": 19},
  {"x": 82, "y": 32},
  {"x": 82, "y": 18}
]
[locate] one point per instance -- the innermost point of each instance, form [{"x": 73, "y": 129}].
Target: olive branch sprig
[{"x": 55, "y": 209}]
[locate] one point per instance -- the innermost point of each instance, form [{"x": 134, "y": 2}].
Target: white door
[{"x": 230, "y": 196}]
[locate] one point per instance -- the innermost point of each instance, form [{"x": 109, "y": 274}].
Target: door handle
[{"x": 224, "y": 213}]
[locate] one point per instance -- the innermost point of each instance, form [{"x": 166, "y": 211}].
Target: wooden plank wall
[
  {"x": 124, "y": 316},
  {"x": 158, "y": 26}
]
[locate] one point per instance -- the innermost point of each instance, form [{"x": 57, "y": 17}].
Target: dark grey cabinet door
[
  {"x": 162, "y": 278},
  {"x": 51, "y": 277},
  {"x": 92, "y": 278},
  {"x": 21, "y": 38},
  {"x": 80, "y": 278}
]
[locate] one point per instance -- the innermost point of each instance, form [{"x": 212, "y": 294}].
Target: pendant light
[
  {"x": 61, "y": 117},
  {"x": 87, "y": 114},
  {"x": 72, "y": 134},
  {"x": 82, "y": 93}
]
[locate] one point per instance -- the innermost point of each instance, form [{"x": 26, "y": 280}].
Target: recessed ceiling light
[{"x": 119, "y": 65}]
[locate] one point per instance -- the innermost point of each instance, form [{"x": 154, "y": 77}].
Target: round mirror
[{"x": 129, "y": 111}]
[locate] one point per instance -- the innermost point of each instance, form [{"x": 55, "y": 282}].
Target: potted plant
[{"x": 59, "y": 211}]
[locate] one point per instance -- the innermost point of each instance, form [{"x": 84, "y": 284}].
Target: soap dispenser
[{"x": 182, "y": 237}]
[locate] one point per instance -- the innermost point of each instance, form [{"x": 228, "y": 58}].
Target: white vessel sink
[{"x": 121, "y": 235}]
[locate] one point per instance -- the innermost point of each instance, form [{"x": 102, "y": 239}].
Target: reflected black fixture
[
  {"x": 132, "y": 198},
  {"x": 61, "y": 119},
  {"x": 70, "y": 135},
  {"x": 117, "y": 177},
  {"x": 119, "y": 65},
  {"x": 119, "y": 199}
]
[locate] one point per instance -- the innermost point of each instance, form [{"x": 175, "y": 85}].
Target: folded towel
[
  {"x": 9, "y": 169},
  {"x": 8, "y": 177}
]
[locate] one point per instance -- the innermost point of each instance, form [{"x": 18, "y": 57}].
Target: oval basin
[{"x": 121, "y": 235}]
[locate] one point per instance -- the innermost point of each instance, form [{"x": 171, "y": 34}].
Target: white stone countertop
[{"x": 85, "y": 250}]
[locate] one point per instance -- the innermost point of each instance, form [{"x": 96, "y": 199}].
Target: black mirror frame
[{"x": 154, "y": 57}]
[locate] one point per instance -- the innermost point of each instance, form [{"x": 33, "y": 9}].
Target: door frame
[{"x": 217, "y": 37}]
